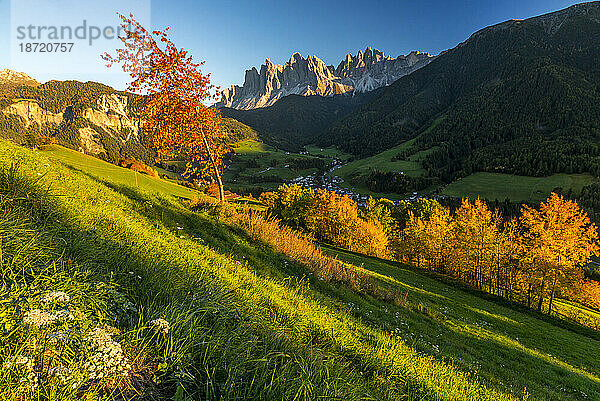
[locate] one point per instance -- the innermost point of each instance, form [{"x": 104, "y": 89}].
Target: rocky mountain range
[
  {"x": 85, "y": 116},
  {"x": 88, "y": 117},
  {"x": 311, "y": 76},
  {"x": 109, "y": 116}
]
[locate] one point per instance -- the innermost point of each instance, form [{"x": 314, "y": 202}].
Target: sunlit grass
[
  {"x": 516, "y": 188},
  {"x": 238, "y": 330},
  {"x": 502, "y": 342},
  {"x": 253, "y": 318},
  {"x": 109, "y": 172}
]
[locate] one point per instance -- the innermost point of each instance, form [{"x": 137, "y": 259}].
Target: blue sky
[{"x": 233, "y": 36}]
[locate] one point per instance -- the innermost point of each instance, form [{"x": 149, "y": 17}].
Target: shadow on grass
[
  {"x": 457, "y": 285},
  {"x": 234, "y": 241},
  {"x": 229, "y": 347},
  {"x": 230, "y": 241}
]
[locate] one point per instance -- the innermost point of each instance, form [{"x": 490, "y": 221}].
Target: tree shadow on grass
[
  {"x": 269, "y": 263},
  {"x": 394, "y": 270},
  {"x": 246, "y": 345},
  {"x": 230, "y": 241}
]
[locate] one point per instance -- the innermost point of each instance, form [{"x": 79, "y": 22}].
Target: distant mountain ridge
[
  {"x": 519, "y": 97},
  {"x": 311, "y": 76}
]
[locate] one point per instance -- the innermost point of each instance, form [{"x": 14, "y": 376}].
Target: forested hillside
[
  {"x": 295, "y": 121},
  {"x": 85, "y": 116},
  {"x": 519, "y": 97}
]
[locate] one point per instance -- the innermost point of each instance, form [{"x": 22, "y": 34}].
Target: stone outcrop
[
  {"x": 311, "y": 76},
  {"x": 372, "y": 69},
  {"x": 109, "y": 115},
  {"x": 31, "y": 112}
]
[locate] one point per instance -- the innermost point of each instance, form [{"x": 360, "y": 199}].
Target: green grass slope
[
  {"x": 102, "y": 170},
  {"x": 257, "y": 166},
  {"x": 516, "y": 188},
  {"x": 502, "y": 343},
  {"x": 383, "y": 162},
  {"x": 249, "y": 323}
]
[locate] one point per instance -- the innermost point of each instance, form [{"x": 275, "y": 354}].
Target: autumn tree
[
  {"x": 476, "y": 234},
  {"x": 328, "y": 217},
  {"x": 587, "y": 292},
  {"x": 560, "y": 239},
  {"x": 512, "y": 274},
  {"x": 380, "y": 211},
  {"x": 433, "y": 233},
  {"x": 175, "y": 90}
]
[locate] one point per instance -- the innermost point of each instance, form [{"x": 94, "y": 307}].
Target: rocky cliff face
[
  {"x": 107, "y": 120},
  {"x": 111, "y": 115},
  {"x": 311, "y": 76}
]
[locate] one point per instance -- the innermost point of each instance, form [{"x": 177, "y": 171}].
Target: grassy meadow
[
  {"x": 388, "y": 161},
  {"x": 105, "y": 171},
  {"x": 516, "y": 188},
  {"x": 258, "y": 162},
  {"x": 383, "y": 162},
  {"x": 249, "y": 321},
  {"x": 500, "y": 342}
]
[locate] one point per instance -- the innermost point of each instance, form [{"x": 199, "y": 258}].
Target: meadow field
[
  {"x": 399, "y": 159},
  {"x": 248, "y": 320},
  {"x": 494, "y": 186},
  {"x": 266, "y": 166},
  {"x": 105, "y": 171}
]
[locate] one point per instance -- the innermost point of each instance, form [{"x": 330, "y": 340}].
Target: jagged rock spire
[{"x": 311, "y": 76}]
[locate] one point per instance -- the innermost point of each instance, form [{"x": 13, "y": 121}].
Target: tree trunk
[
  {"x": 552, "y": 295},
  {"x": 215, "y": 168},
  {"x": 541, "y": 301}
]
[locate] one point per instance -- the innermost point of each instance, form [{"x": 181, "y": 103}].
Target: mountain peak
[
  {"x": 12, "y": 77},
  {"x": 551, "y": 22},
  {"x": 311, "y": 76}
]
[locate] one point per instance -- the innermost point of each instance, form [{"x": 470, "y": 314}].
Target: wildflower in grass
[
  {"x": 55, "y": 297},
  {"x": 21, "y": 360},
  {"x": 161, "y": 325},
  {"x": 108, "y": 361},
  {"x": 60, "y": 372},
  {"x": 62, "y": 315},
  {"x": 59, "y": 336},
  {"x": 29, "y": 383},
  {"x": 99, "y": 336},
  {"x": 38, "y": 317}
]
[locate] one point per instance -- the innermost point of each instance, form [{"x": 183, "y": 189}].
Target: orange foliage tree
[
  {"x": 476, "y": 236},
  {"x": 587, "y": 292},
  {"x": 175, "y": 90},
  {"x": 530, "y": 258},
  {"x": 329, "y": 217},
  {"x": 425, "y": 239},
  {"x": 560, "y": 238}
]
